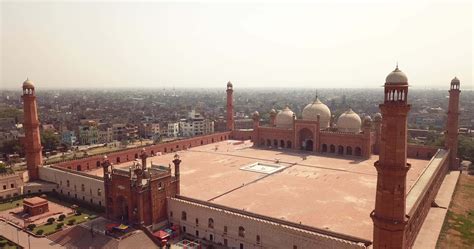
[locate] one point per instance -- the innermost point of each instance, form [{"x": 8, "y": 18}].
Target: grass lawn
[
  {"x": 7, "y": 244},
  {"x": 47, "y": 229},
  {"x": 458, "y": 227},
  {"x": 52, "y": 228},
  {"x": 10, "y": 205},
  {"x": 79, "y": 218}
]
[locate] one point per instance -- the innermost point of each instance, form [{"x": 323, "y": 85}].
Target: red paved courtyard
[{"x": 336, "y": 193}]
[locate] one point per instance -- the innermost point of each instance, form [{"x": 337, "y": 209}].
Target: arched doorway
[
  {"x": 332, "y": 148},
  {"x": 282, "y": 144},
  {"x": 340, "y": 150},
  {"x": 349, "y": 150},
  {"x": 288, "y": 144},
  {"x": 324, "y": 148},
  {"x": 269, "y": 143},
  {"x": 122, "y": 208},
  {"x": 358, "y": 151},
  {"x": 306, "y": 139}
]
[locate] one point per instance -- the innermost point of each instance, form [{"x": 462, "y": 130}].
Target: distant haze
[{"x": 326, "y": 44}]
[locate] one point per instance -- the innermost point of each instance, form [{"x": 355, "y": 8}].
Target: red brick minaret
[
  {"x": 389, "y": 213},
  {"x": 256, "y": 124},
  {"x": 176, "y": 163},
  {"x": 452, "y": 124},
  {"x": 230, "y": 107},
  {"x": 32, "y": 140}
]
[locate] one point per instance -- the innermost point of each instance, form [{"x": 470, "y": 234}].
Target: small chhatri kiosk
[{"x": 35, "y": 206}]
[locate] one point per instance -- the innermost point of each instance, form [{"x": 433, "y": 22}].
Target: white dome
[
  {"x": 284, "y": 118},
  {"x": 455, "y": 81},
  {"x": 378, "y": 117},
  {"x": 311, "y": 112},
  {"x": 349, "y": 121},
  {"x": 396, "y": 77},
  {"x": 28, "y": 84}
]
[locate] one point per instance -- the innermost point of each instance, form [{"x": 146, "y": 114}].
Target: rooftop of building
[
  {"x": 33, "y": 201},
  {"x": 334, "y": 193}
]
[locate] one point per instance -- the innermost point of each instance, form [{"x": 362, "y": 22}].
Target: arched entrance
[
  {"x": 340, "y": 150},
  {"x": 122, "y": 208},
  {"x": 324, "y": 148},
  {"x": 358, "y": 151},
  {"x": 306, "y": 139}
]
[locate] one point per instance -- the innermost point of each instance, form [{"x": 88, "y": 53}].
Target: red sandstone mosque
[{"x": 295, "y": 183}]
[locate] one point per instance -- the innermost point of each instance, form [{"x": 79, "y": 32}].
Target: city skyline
[{"x": 201, "y": 45}]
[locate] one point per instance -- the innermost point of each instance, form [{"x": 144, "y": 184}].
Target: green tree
[
  {"x": 3, "y": 168},
  {"x": 466, "y": 148},
  {"x": 12, "y": 147},
  {"x": 49, "y": 140}
]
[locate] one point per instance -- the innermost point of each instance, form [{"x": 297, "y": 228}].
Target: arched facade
[{"x": 307, "y": 135}]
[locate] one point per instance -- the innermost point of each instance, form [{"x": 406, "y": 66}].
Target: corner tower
[
  {"x": 230, "y": 107},
  {"x": 452, "y": 124},
  {"x": 32, "y": 140},
  {"x": 390, "y": 203}
]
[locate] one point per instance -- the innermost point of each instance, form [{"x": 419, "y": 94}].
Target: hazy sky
[{"x": 158, "y": 44}]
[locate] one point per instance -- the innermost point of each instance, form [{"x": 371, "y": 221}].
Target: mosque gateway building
[{"x": 312, "y": 182}]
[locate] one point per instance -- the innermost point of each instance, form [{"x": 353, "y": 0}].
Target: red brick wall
[
  {"x": 93, "y": 162},
  {"x": 242, "y": 134},
  {"x": 421, "y": 151},
  {"x": 421, "y": 208}
]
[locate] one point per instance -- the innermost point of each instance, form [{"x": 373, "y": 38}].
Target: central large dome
[{"x": 311, "y": 112}]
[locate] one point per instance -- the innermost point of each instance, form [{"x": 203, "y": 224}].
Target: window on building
[
  {"x": 258, "y": 239},
  {"x": 241, "y": 246},
  {"x": 225, "y": 229},
  {"x": 211, "y": 238},
  {"x": 67, "y": 183},
  {"x": 241, "y": 231},
  {"x": 197, "y": 233},
  {"x": 197, "y": 222},
  {"x": 184, "y": 229},
  {"x": 83, "y": 188},
  {"x": 99, "y": 192},
  {"x": 4, "y": 186},
  {"x": 225, "y": 242},
  {"x": 295, "y": 247},
  {"x": 100, "y": 203},
  {"x": 183, "y": 215},
  {"x": 171, "y": 214},
  {"x": 12, "y": 185},
  {"x": 210, "y": 223}
]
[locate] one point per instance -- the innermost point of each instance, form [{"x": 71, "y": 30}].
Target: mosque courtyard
[{"x": 320, "y": 190}]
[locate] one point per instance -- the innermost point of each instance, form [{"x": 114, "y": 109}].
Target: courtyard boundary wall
[
  {"x": 75, "y": 185},
  {"x": 422, "y": 194},
  {"x": 233, "y": 227},
  {"x": 421, "y": 151},
  {"x": 94, "y": 162}
]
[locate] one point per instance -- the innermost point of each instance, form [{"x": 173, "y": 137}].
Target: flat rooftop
[{"x": 334, "y": 193}]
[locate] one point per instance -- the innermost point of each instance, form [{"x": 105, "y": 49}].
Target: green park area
[
  {"x": 81, "y": 214},
  {"x": 7, "y": 244},
  {"x": 10, "y": 204},
  {"x": 458, "y": 227}
]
